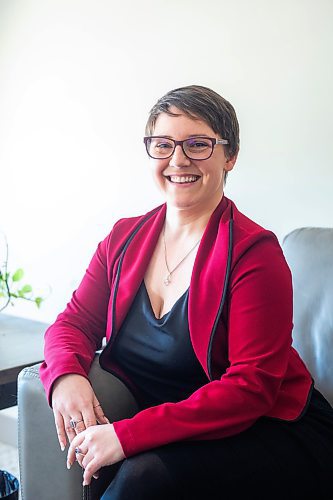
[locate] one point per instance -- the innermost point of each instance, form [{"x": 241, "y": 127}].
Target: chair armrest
[{"x": 43, "y": 471}]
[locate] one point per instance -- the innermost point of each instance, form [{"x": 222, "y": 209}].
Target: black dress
[{"x": 273, "y": 459}]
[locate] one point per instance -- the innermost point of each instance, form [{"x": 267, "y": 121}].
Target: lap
[{"x": 270, "y": 460}]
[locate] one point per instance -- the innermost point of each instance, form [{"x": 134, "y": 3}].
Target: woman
[{"x": 196, "y": 302}]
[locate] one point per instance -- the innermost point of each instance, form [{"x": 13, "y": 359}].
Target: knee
[
  {"x": 145, "y": 467},
  {"x": 143, "y": 476}
]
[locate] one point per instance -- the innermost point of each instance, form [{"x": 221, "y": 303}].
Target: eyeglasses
[{"x": 195, "y": 148}]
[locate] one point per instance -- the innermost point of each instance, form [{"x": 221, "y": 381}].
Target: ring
[
  {"x": 78, "y": 451},
  {"x": 73, "y": 423}
]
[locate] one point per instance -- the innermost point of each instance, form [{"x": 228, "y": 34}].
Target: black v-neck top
[{"x": 156, "y": 354}]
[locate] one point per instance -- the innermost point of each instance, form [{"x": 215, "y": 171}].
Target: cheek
[
  {"x": 157, "y": 169},
  {"x": 213, "y": 172}
]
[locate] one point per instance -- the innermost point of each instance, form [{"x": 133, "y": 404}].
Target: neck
[{"x": 182, "y": 222}]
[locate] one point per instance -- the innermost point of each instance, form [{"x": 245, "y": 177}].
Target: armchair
[
  {"x": 309, "y": 252},
  {"x": 43, "y": 470}
]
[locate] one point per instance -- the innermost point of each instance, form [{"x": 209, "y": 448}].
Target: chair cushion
[{"x": 309, "y": 253}]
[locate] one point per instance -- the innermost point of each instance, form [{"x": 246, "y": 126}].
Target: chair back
[{"x": 309, "y": 253}]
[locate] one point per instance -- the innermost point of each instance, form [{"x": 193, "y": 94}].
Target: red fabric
[{"x": 254, "y": 370}]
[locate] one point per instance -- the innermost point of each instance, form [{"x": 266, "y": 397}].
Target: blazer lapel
[
  {"x": 135, "y": 262},
  {"x": 208, "y": 280}
]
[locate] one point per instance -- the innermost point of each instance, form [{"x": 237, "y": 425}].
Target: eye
[
  {"x": 198, "y": 144},
  {"x": 161, "y": 143}
]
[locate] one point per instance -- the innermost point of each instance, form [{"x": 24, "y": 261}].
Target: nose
[{"x": 179, "y": 159}]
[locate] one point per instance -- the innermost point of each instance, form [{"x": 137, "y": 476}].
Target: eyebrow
[{"x": 189, "y": 137}]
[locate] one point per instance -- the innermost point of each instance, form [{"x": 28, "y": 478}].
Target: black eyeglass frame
[{"x": 213, "y": 140}]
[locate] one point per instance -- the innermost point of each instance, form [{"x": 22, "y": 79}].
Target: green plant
[{"x": 11, "y": 287}]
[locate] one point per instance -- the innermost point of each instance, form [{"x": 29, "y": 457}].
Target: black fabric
[
  {"x": 157, "y": 354},
  {"x": 273, "y": 460}
]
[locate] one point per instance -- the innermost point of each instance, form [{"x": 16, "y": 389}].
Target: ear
[{"x": 229, "y": 165}]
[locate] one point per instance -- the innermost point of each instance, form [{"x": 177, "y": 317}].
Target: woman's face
[{"x": 203, "y": 186}]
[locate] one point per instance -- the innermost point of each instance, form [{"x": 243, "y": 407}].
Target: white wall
[{"x": 77, "y": 79}]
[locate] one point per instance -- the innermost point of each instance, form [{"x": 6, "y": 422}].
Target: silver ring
[
  {"x": 78, "y": 451},
  {"x": 73, "y": 423}
]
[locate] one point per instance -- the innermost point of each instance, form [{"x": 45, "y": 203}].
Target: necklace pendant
[{"x": 167, "y": 280}]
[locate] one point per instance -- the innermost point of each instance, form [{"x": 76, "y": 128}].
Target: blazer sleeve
[
  {"x": 259, "y": 340},
  {"x": 71, "y": 342}
]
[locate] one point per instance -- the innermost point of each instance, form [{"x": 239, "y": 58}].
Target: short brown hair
[{"x": 201, "y": 102}]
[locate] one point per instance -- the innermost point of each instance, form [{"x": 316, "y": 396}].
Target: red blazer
[{"x": 240, "y": 321}]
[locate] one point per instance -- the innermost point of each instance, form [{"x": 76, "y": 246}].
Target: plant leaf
[
  {"x": 38, "y": 301},
  {"x": 18, "y": 275},
  {"x": 26, "y": 289}
]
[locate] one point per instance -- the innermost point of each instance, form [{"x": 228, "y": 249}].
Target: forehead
[{"x": 181, "y": 125}]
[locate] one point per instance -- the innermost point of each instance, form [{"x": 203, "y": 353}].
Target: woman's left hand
[{"x": 94, "y": 448}]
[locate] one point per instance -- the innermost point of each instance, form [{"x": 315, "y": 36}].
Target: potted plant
[{"x": 11, "y": 287}]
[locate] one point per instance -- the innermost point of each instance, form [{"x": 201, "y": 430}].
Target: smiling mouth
[{"x": 182, "y": 179}]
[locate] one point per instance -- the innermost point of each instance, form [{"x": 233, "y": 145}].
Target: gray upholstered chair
[
  {"x": 43, "y": 473},
  {"x": 309, "y": 252}
]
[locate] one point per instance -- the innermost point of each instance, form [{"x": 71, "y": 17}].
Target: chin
[{"x": 185, "y": 203}]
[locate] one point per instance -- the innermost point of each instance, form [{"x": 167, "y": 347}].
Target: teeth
[{"x": 182, "y": 179}]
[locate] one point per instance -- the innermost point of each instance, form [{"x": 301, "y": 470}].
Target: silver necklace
[{"x": 167, "y": 279}]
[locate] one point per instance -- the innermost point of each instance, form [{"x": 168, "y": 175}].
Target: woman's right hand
[{"x": 73, "y": 399}]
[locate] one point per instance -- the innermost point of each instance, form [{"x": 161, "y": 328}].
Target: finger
[
  {"x": 80, "y": 426},
  {"x": 69, "y": 431},
  {"x": 60, "y": 428},
  {"x": 89, "y": 471},
  {"x": 76, "y": 445},
  {"x": 77, "y": 424},
  {"x": 74, "y": 425},
  {"x": 100, "y": 417},
  {"x": 80, "y": 455},
  {"x": 86, "y": 459},
  {"x": 89, "y": 417}
]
